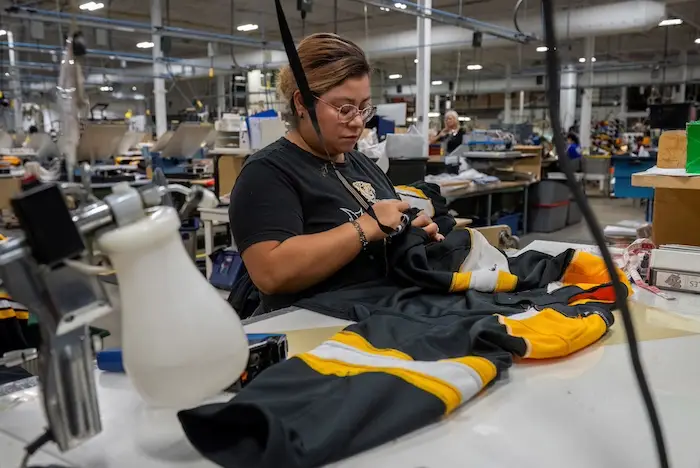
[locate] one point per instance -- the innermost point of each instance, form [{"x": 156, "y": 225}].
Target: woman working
[
  {"x": 452, "y": 135},
  {"x": 299, "y": 230}
]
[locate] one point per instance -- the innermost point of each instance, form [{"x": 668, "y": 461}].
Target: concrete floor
[{"x": 607, "y": 210}]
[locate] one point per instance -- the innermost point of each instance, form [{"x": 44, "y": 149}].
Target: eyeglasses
[{"x": 347, "y": 112}]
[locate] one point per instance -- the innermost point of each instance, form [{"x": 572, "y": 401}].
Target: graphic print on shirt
[
  {"x": 366, "y": 190},
  {"x": 368, "y": 193},
  {"x": 352, "y": 215}
]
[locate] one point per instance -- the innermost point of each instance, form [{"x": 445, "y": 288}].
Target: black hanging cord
[
  {"x": 34, "y": 446},
  {"x": 553, "y": 85},
  {"x": 309, "y": 101}
]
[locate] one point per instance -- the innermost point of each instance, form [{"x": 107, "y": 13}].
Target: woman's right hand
[{"x": 388, "y": 212}]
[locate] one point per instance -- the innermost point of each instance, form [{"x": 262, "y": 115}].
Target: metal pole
[
  {"x": 220, "y": 95},
  {"x": 521, "y": 107},
  {"x": 423, "y": 73},
  {"x": 15, "y": 83},
  {"x": 567, "y": 97},
  {"x": 159, "y": 92},
  {"x": 587, "y": 96},
  {"x": 508, "y": 107}
]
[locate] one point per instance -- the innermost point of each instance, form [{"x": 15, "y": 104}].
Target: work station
[{"x": 349, "y": 234}]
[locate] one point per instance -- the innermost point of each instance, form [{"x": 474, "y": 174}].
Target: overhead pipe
[
  {"x": 126, "y": 56},
  {"x": 49, "y": 16},
  {"x": 452, "y": 19}
]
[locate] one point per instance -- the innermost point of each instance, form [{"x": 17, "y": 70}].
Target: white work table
[{"x": 583, "y": 411}]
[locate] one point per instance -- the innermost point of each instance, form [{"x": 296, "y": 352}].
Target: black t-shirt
[
  {"x": 285, "y": 191},
  {"x": 453, "y": 141}
]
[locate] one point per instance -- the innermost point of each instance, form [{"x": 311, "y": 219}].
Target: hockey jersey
[{"x": 449, "y": 320}]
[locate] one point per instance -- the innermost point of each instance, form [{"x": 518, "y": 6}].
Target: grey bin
[
  {"x": 574, "y": 215},
  {"x": 405, "y": 171},
  {"x": 548, "y": 219},
  {"x": 549, "y": 192}
]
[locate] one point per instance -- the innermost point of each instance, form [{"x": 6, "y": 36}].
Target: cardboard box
[
  {"x": 229, "y": 169},
  {"x": 672, "y": 149},
  {"x": 9, "y": 186}
]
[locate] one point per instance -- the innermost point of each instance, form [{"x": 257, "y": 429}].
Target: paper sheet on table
[
  {"x": 301, "y": 341},
  {"x": 668, "y": 172}
]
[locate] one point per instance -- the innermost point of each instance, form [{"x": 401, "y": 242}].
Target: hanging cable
[
  {"x": 335, "y": 16},
  {"x": 553, "y": 85},
  {"x": 459, "y": 63},
  {"x": 515, "y": 16}
]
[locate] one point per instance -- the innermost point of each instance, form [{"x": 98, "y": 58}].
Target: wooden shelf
[{"x": 666, "y": 181}]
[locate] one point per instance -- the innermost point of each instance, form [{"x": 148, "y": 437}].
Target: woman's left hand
[{"x": 424, "y": 221}]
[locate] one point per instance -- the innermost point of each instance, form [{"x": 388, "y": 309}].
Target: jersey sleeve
[{"x": 264, "y": 206}]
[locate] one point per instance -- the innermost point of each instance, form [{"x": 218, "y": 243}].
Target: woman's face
[
  {"x": 450, "y": 121},
  {"x": 339, "y": 137}
]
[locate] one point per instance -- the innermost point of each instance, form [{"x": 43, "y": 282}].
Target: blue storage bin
[
  {"x": 226, "y": 267},
  {"x": 511, "y": 220}
]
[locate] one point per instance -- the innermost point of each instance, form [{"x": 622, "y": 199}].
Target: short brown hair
[{"x": 327, "y": 60}]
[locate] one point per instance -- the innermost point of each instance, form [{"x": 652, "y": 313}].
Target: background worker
[{"x": 452, "y": 135}]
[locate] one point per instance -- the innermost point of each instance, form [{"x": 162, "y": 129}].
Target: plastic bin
[
  {"x": 574, "y": 215},
  {"x": 406, "y": 171},
  {"x": 549, "y": 192},
  {"x": 549, "y": 218},
  {"x": 188, "y": 232},
  {"x": 512, "y": 221}
]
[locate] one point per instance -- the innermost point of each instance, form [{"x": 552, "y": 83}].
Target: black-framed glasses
[{"x": 347, "y": 112}]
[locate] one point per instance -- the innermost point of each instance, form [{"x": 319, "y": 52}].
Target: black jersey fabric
[
  {"x": 415, "y": 354},
  {"x": 285, "y": 191}
]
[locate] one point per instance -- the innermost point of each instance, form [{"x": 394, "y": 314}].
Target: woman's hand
[
  {"x": 424, "y": 221},
  {"x": 388, "y": 212}
]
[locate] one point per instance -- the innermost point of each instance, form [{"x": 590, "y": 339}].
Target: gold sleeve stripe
[
  {"x": 359, "y": 342},
  {"x": 452, "y": 381},
  {"x": 506, "y": 281},
  {"x": 485, "y": 368},
  {"x": 412, "y": 190},
  {"x": 460, "y": 281},
  {"x": 550, "y": 334}
]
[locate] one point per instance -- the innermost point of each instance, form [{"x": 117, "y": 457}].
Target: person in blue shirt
[{"x": 573, "y": 150}]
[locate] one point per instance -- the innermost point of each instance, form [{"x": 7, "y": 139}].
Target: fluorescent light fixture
[
  {"x": 464, "y": 119},
  {"x": 474, "y": 67},
  {"x": 92, "y": 6},
  {"x": 2, "y": 32},
  {"x": 437, "y": 83},
  {"x": 239, "y": 78},
  {"x": 415, "y": 60},
  {"x": 400, "y": 6},
  {"x": 247, "y": 27},
  {"x": 583, "y": 60},
  {"x": 697, "y": 41},
  {"x": 433, "y": 114},
  {"x": 542, "y": 48},
  {"x": 145, "y": 45},
  {"x": 395, "y": 76},
  {"x": 671, "y": 22},
  {"x": 384, "y": 9}
]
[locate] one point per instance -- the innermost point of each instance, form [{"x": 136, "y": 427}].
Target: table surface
[
  {"x": 582, "y": 411},
  {"x": 474, "y": 190}
]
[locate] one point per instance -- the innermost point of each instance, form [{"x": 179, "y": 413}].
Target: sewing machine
[{"x": 53, "y": 269}]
